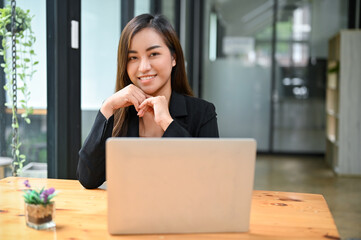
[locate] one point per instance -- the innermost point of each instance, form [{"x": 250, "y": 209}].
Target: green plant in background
[{"x": 25, "y": 63}]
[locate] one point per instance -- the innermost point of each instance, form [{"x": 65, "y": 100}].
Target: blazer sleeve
[
  {"x": 209, "y": 126},
  {"x": 91, "y": 165},
  {"x": 200, "y": 124},
  {"x": 175, "y": 129}
]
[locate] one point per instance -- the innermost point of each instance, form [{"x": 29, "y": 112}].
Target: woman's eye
[
  {"x": 154, "y": 54},
  {"x": 132, "y": 58}
]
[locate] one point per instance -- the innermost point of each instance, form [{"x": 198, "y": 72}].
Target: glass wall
[
  {"x": 238, "y": 62},
  {"x": 32, "y": 136},
  {"x": 168, "y": 10},
  {"x": 303, "y": 30},
  {"x": 237, "y": 66},
  {"x": 141, "y": 6},
  {"x": 100, "y": 32}
]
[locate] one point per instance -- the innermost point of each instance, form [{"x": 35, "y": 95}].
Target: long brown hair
[{"x": 179, "y": 81}]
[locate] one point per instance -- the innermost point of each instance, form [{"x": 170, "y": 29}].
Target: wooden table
[{"x": 82, "y": 214}]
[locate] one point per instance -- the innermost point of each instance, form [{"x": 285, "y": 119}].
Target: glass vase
[{"x": 40, "y": 216}]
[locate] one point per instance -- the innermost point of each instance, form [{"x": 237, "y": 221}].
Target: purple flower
[
  {"x": 45, "y": 194},
  {"x": 38, "y": 197},
  {"x": 51, "y": 190},
  {"x": 26, "y": 183}
]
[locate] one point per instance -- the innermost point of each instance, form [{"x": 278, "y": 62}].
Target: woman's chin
[{"x": 149, "y": 91}]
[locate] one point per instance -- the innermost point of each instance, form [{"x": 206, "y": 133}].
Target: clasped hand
[{"x": 143, "y": 103}]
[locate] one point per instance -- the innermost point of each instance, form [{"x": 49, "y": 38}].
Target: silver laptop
[{"x": 179, "y": 185}]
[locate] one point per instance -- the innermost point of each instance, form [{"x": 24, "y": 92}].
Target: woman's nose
[{"x": 144, "y": 65}]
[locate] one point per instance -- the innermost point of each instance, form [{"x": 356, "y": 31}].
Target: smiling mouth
[{"x": 148, "y": 77}]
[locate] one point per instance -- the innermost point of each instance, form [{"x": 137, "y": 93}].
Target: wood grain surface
[{"x": 82, "y": 214}]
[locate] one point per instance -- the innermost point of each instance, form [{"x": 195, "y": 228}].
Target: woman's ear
[{"x": 174, "y": 62}]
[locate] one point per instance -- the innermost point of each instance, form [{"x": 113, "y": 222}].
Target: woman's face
[{"x": 150, "y": 63}]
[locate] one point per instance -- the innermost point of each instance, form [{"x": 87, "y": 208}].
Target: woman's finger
[
  {"x": 134, "y": 101},
  {"x": 139, "y": 94},
  {"x": 144, "y": 110},
  {"x": 147, "y": 102}
]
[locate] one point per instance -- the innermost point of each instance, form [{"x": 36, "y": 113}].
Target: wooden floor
[{"x": 312, "y": 175}]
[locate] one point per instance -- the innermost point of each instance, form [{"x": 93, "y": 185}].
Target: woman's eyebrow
[
  {"x": 148, "y": 49},
  {"x": 152, "y": 47}
]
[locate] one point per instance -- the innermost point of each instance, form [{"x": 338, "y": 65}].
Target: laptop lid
[{"x": 179, "y": 185}]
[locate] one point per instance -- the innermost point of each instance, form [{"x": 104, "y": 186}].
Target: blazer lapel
[{"x": 178, "y": 107}]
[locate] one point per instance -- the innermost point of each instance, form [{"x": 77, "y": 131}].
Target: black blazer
[{"x": 193, "y": 117}]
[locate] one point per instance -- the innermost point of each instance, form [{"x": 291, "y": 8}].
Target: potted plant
[
  {"x": 22, "y": 71},
  {"x": 39, "y": 209}
]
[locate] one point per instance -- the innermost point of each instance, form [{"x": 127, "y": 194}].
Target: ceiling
[{"x": 247, "y": 18}]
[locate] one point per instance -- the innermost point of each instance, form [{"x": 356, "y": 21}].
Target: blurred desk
[{"x": 82, "y": 214}]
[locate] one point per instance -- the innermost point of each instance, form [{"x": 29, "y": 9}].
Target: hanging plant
[{"x": 20, "y": 74}]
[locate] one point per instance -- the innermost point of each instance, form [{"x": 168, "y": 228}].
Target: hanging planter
[
  {"x": 22, "y": 19},
  {"x": 18, "y": 53}
]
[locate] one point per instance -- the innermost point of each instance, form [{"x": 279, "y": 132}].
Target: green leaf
[
  {"x": 27, "y": 120},
  {"x": 51, "y": 196},
  {"x": 36, "y": 197},
  {"x": 17, "y": 152},
  {"x": 26, "y": 59},
  {"x": 27, "y": 197}
]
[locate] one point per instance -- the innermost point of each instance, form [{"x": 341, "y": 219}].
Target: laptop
[{"x": 179, "y": 185}]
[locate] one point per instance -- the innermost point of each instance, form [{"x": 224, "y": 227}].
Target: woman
[{"x": 152, "y": 98}]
